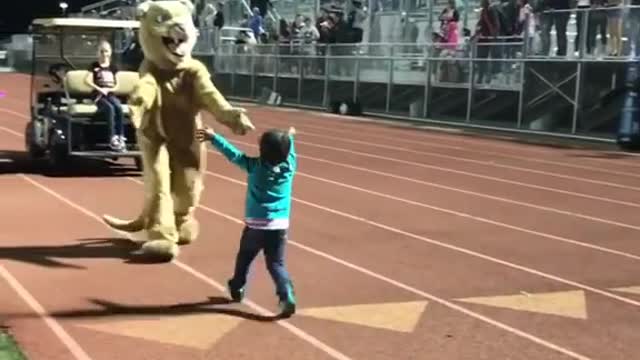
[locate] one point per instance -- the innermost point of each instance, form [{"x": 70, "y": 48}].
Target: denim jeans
[
  {"x": 272, "y": 242},
  {"x": 112, "y": 109}
]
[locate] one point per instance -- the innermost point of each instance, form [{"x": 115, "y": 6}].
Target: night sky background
[{"x": 16, "y": 15}]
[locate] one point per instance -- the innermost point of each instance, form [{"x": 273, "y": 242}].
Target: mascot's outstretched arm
[
  {"x": 140, "y": 102},
  {"x": 212, "y": 100}
]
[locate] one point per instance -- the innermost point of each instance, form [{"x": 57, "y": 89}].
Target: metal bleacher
[{"x": 391, "y": 75}]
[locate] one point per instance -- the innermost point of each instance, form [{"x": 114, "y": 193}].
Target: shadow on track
[{"x": 54, "y": 255}]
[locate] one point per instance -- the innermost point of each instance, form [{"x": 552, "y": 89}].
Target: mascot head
[{"x": 167, "y": 32}]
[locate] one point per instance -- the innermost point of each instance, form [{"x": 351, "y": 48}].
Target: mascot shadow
[
  {"x": 18, "y": 162},
  {"x": 54, "y": 256}
]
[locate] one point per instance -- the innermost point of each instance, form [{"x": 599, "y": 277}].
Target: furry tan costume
[{"x": 165, "y": 107}]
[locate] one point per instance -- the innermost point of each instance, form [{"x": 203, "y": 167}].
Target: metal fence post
[
  {"x": 577, "y": 98},
  {"x": 253, "y": 74},
  {"x": 471, "y": 80},
  {"x": 389, "y": 81},
  {"x": 427, "y": 85},
  {"x": 325, "y": 94},
  {"x": 276, "y": 72},
  {"x": 300, "y": 77},
  {"x": 356, "y": 80}
]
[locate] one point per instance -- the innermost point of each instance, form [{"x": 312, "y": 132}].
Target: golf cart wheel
[
  {"x": 58, "y": 154},
  {"x": 31, "y": 143},
  {"x": 138, "y": 161}
]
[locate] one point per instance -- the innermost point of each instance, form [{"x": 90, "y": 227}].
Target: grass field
[{"x": 8, "y": 348}]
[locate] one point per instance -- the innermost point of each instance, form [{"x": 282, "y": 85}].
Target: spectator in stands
[
  {"x": 262, "y": 5},
  {"x": 558, "y": 18},
  {"x": 614, "y": 21},
  {"x": 310, "y": 36},
  {"x": 448, "y": 37},
  {"x": 324, "y": 24},
  {"x": 218, "y": 20},
  {"x": 597, "y": 23},
  {"x": 526, "y": 21},
  {"x": 487, "y": 30},
  {"x": 256, "y": 23},
  {"x": 296, "y": 32},
  {"x": 582, "y": 12},
  {"x": 356, "y": 19},
  {"x": 449, "y": 18}
]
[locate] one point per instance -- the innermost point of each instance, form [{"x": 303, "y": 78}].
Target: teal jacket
[{"x": 268, "y": 187}]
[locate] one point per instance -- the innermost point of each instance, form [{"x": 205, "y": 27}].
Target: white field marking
[
  {"x": 75, "y": 349},
  {"x": 473, "y": 217},
  {"x": 407, "y": 288},
  {"x": 486, "y": 177},
  {"x": 399, "y": 126},
  {"x": 533, "y": 232},
  {"x": 347, "y": 119},
  {"x": 449, "y": 246},
  {"x": 443, "y": 146},
  {"x": 11, "y": 112},
  {"x": 296, "y": 331},
  {"x": 468, "y": 192},
  {"x": 578, "y": 215},
  {"x": 453, "y": 147},
  {"x": 464, "y": 215},
  {"x": 12, "y": 132}
]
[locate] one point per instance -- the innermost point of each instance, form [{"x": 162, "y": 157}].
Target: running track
[{"x": 435, "y": 224}]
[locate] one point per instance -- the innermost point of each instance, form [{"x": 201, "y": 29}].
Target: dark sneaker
[
  {"x": 288, "y": 304},
  {"x": 236, "y": 294}
]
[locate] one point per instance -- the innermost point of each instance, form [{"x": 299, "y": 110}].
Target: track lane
[
  {"x": 504, "y": 214},
  {"x": 459, "y": 154},
  {"x": 474, "y": 342},
  {"x": 496, "y": 142}
]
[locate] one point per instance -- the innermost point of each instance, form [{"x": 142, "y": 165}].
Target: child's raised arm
[
  {"x": 293, "y": 156},
  {"x": 226, "y": 148}
]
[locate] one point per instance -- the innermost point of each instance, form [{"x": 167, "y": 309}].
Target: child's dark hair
[{"x": 274, "y": 146}]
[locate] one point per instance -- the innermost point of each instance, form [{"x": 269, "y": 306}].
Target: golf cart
[{"x": 65, "y": 121}]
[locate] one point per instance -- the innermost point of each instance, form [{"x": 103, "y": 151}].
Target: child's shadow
[{"x": 109, "y": 308}]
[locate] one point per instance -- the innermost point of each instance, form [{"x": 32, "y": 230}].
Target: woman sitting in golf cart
[{"x": 103, "y": 79}]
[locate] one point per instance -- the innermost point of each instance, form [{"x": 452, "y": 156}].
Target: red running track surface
[{"x": 405, "y": 244}]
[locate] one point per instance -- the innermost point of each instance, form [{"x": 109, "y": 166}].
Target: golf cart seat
[{"x": 78, "y": 92}]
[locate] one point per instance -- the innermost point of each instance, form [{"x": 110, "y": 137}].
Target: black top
[{"x": 104, "y": 77}]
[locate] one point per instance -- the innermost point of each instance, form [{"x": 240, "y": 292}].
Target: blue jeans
[
  {"x": 272, "y": 242},
  {"x": 112, "y": 109}
]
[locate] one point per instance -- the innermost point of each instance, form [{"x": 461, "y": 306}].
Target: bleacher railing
[{"x": 499, "y": 82}]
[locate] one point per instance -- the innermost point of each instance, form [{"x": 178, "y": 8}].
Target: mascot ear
[
  {"x": 189, "y": 5},
  {"x": 142, "y": 9}
]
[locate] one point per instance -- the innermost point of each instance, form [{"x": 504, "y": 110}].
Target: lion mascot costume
[{"x": 165, "y": 109}]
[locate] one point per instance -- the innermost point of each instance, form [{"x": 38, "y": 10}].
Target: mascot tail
[{"x": 134, "y": 225}]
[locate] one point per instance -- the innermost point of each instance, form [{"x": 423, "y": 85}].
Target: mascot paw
[
  {"x": 188, "y": 232},
  {"x": 124, "y": 225},
  {"x": 159, "y": 250},
  {"x": 241, "y": 124}
]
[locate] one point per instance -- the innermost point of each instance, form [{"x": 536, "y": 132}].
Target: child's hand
[
  {"x": 292, "y": 131},
  {"x": 204, "y": 134}
]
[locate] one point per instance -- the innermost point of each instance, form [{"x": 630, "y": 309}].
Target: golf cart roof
[{"x": 86, "y": 23}]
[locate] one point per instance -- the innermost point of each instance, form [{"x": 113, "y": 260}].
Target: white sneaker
[
  {"x": 115, "y": 143},
  {"x": 123, "y": 143}
]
